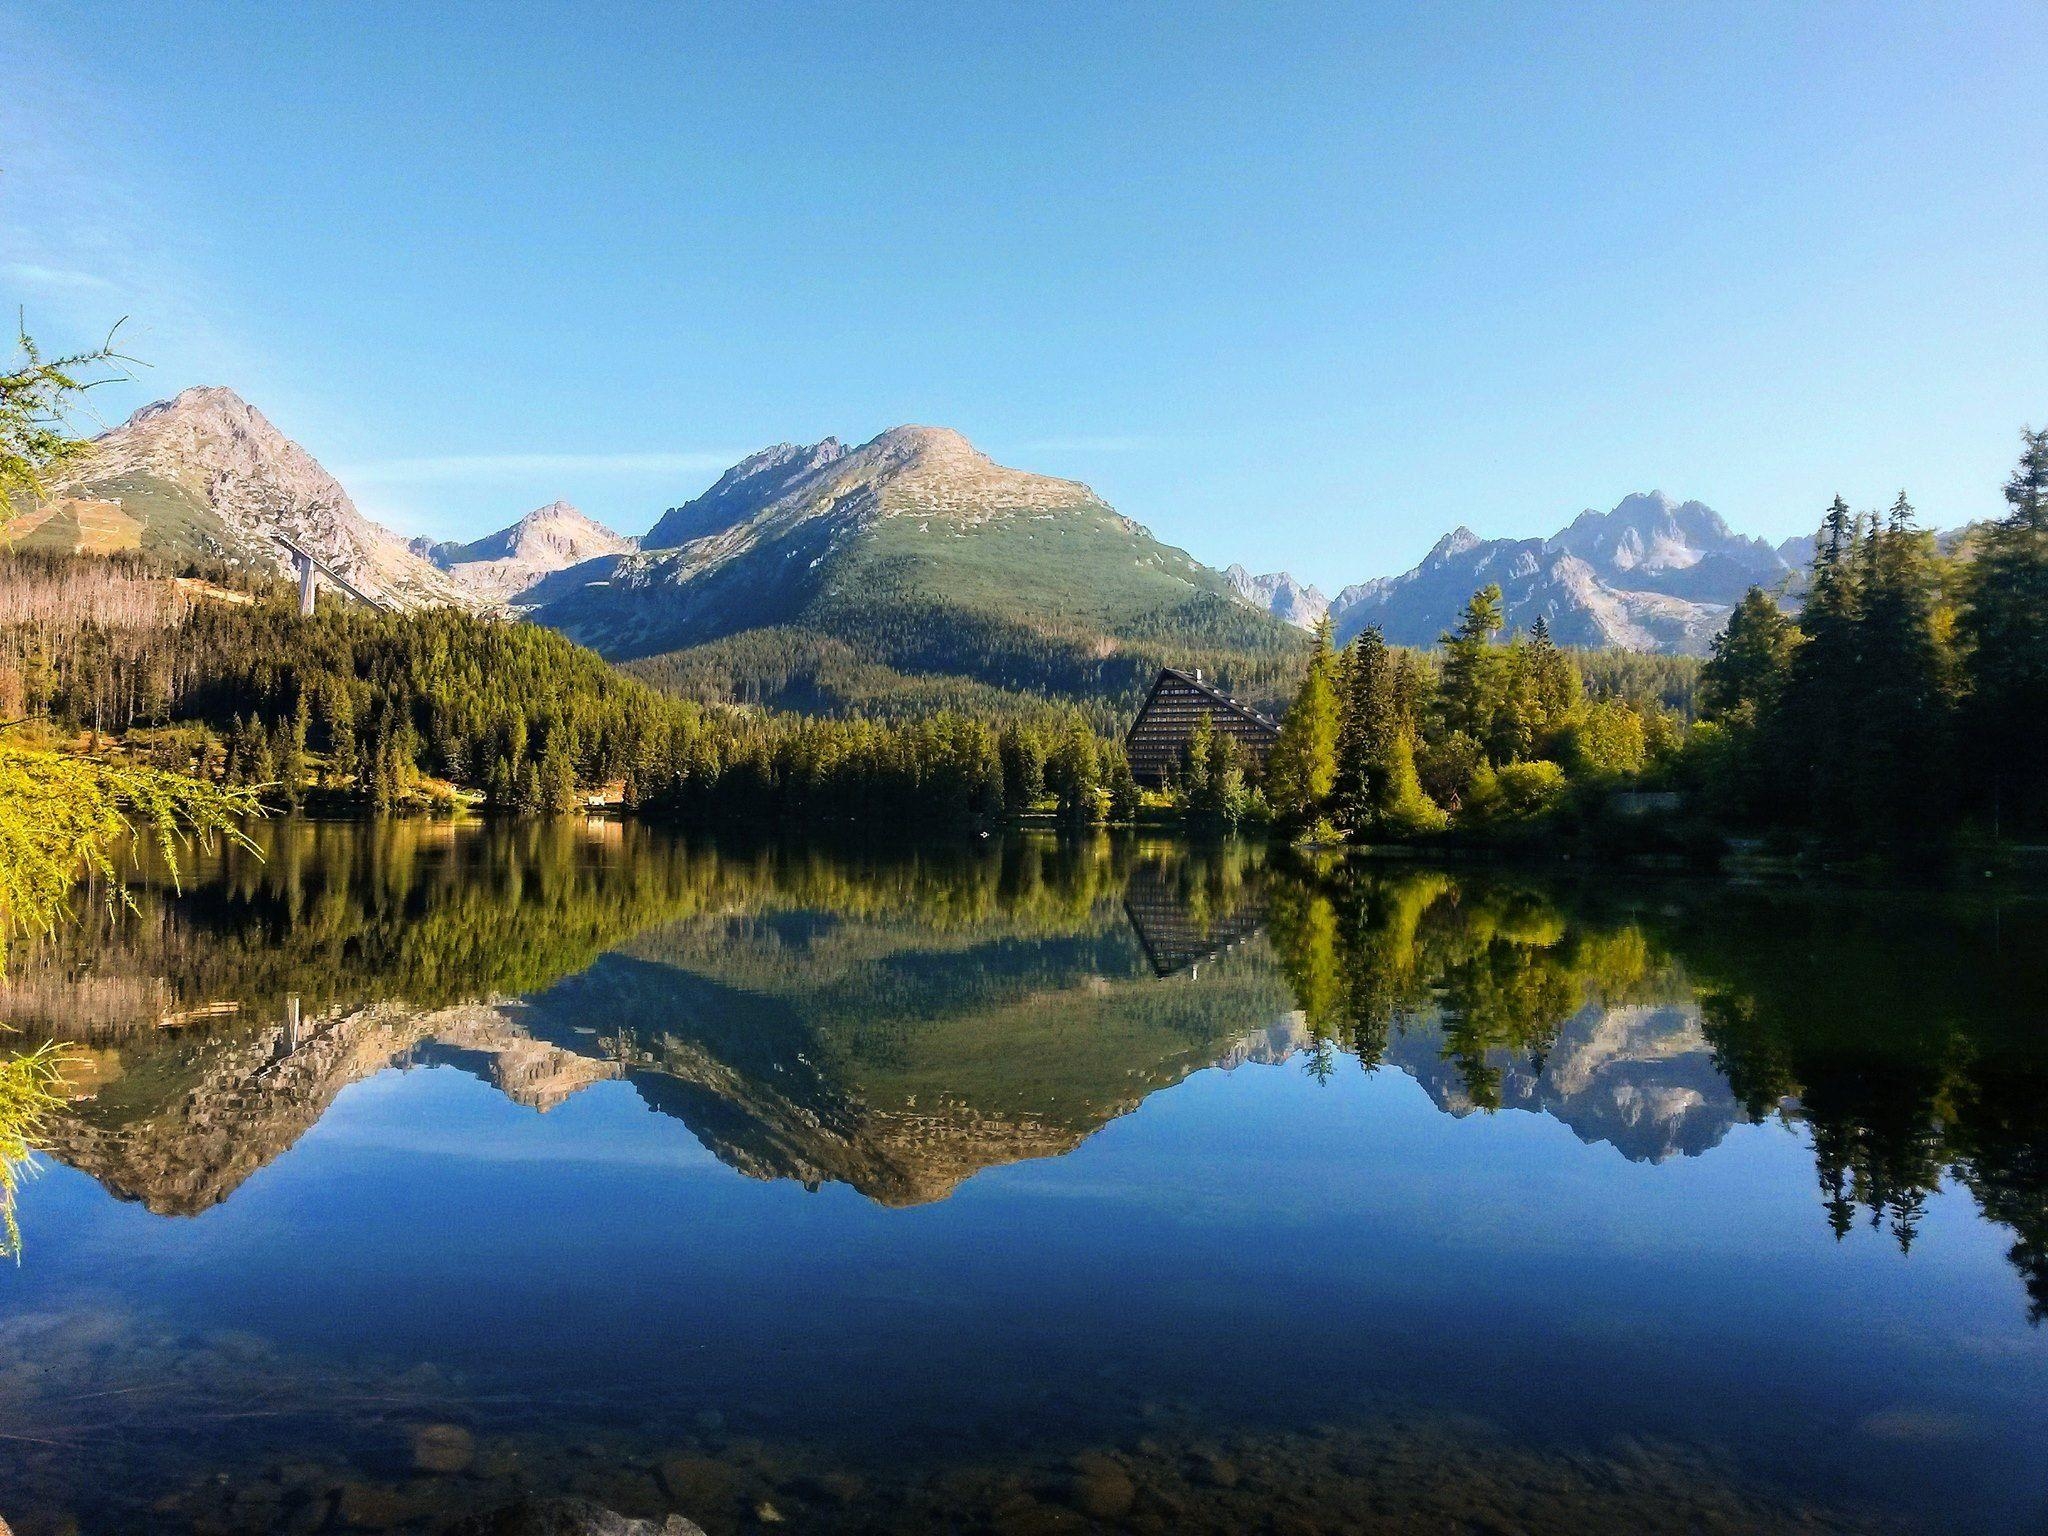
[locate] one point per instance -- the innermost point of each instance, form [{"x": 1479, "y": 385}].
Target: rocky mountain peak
[
  {"x": 757, "y": 480},
  {"x": 561, "y": 528},
  {"x": 1279, "y": 594},
  {"x": 1649, "y": 531},
  {"x": 501, "y": 566},
  {"x": 214, "y": 466},
  {"x": 935, "y": 471},
  {"x": 1460, "y": 540},
  {"x": 916, "y": 442},
  {"x": 1652, "y": 574}
]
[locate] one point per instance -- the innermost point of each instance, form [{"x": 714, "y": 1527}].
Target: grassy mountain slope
[
  {"x": 914, "y": 571},
  {"x": 206, "y": 476}
]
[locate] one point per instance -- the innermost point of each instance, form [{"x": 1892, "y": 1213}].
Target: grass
[{"x": 1000, "y": 617}]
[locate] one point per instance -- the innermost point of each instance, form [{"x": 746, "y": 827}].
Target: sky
[{"x": 1296, "y": 286}]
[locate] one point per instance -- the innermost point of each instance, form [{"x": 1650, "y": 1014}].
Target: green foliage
[
  {"x": 1514, "y": 792},
  {"x": 30, "y": 1092},
  {"x": 1073, "y": 772},
  {"x": 1448, "y": 765},
  {"x": 62, "y": 816},
  {"x": 36, "y": 394},
  {"x": 1213, "y": 791},
  {"x": 1301, "y": 770},
  {"x": 1402, "y": 809},
  {"x": 1750, "y": 660},
  {"x": 1605, "y": 740},
  {"x": 1846, "y": 727},
  {"x": 1005, "y": 617},
  {"x": 1470, "y": 690},
  {"x": 1641, "y": 678},
  {"x": 2003, "y": 633}
]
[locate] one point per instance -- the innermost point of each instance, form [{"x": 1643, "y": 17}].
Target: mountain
[
  {"x": 1641, "y": 1078},
  {"x": 909, "y": 571},
  {"x": 752, "y": 483},
  {"x": 1280, "y": 595},
  {"x": 205, "y": 475},
  {"x": 1651, "y": 575},
  {"x": 502, "y": 566}
]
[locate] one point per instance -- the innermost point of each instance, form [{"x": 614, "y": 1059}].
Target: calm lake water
[{"x": 1027, "y": 1188}]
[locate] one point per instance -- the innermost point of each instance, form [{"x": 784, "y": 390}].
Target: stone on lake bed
[
  {"x": 445, "y": 1448},
  {"x": 1102, "y": 1489},
  {"x": 570, "y": 1517},
  {"x": 699, "y": 1482}
]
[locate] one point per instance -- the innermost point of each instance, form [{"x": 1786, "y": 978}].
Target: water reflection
[
  {"x": 1082, "y": 1276},
  {"x": 898, "y": 1022}
]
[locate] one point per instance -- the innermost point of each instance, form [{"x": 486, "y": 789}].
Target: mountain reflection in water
[{"x": 898, "y": 1023}]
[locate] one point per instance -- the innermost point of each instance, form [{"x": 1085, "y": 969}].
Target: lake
[{"x": 1029, "y": 1187}]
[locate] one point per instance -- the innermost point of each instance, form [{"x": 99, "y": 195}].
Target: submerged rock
[
  {"x": 1102, "y": 1489},
  {"x": 570, "y": 1517},
  {"x": 446, "y": 1448}
]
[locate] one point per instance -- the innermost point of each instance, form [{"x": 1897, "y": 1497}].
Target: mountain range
[
  {"x": 502, "y": 566},
  {"x": 896, "y": 574},
  {"x": 1651, "y": 575}
]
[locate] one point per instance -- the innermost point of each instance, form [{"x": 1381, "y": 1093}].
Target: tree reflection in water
[
  {"x": 899, "y": 1019},
  {"x": 1903, "y": 1032}
]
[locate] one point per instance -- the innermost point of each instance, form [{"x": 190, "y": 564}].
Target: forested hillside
[
  {"x": 914, "y": 572},
  {"x": 354, "y": 705},
  {"x": 1904, "y": 706}
]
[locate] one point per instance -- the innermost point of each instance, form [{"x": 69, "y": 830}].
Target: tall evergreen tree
[
  {"x": 1750, "y": 658},
  {"x": 1302, "y": 767},
  {"x": 1557, "y": 683},
  {"x": 2004, "y": 627},
  {"x": 1817, "y": 726},
  {"x": 1471, "y": 668},
  {"x": 1370, "y": 720},
  {"x": 1903, "y": 701}
]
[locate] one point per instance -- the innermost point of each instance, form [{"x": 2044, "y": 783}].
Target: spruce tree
[
  {"x": 1371, "y": 719},
  {"x": 1122, "y": 787},
  {"x": 1468, "y": 692},
  {"x": 1557, "y": 684},
  {"x": 1816, "y": 727},
  {"x": 2004, "y": 627},
  {"x": 1302, "y": 768},
  {"x": 1750, "y": 658},
  {"x": 1903, "y": 702}
]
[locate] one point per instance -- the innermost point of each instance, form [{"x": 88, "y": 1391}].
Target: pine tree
[
  {"x": 1817, "y": 724},
  {"x": 292, "y": 761},
  {"x": 1750, "y": 659},
  {"x": 1470, "y": 686},
  {"x": 2004, "y": 628},
  {"x": 1371, "y": 719},
  {"x": 1903, "y": 717},
  {"x": 1302, "y": 767},
  {"x": 1124, "y": 799}
]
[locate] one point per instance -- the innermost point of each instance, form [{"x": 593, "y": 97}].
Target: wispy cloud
[
  {"x": 89, "y": 235},
  {"x": 475, "y": 468},
  {"x": 60, "y": 279}
]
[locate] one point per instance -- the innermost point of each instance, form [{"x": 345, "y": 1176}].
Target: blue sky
[{"x": 1296, "y": 286}]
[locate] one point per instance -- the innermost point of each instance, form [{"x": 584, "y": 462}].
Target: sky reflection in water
[{"x": 1047, "y": 1153}]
